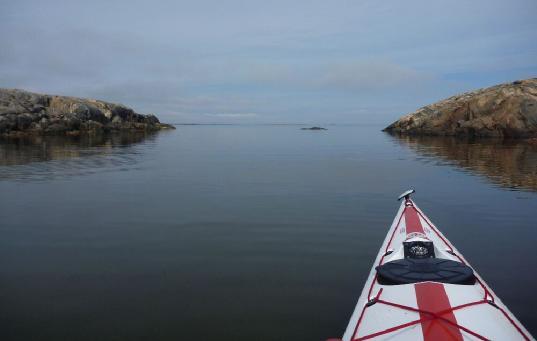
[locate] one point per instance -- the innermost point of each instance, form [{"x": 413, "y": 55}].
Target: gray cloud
[
  {"x": 233, "y": 115},
  {"x": 337, "y": 61}
]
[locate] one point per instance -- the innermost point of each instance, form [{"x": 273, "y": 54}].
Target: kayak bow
[{"x": 422, "y": 288}]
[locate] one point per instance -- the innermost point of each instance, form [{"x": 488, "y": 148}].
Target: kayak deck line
[
  {"x": 427, "y": 316},
  {"x": 432, "y": 299},
  {"x": 426, "y": 290}
]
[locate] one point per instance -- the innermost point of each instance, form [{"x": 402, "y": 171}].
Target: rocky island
[
  {"x": 26, "y": 113},
  {"x": 507, "y": 110}
]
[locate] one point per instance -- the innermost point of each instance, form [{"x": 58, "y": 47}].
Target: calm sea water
[{"x": 242, "y": 232}]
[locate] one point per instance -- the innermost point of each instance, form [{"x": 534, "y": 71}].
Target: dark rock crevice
[
  {"x": 27, "y": 113},
  {"x": 507, "y": 110}
]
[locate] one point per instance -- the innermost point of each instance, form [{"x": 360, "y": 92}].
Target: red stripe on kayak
[
  {"x": 432, "y": 297},
  {"x": 412, "y": 221}
]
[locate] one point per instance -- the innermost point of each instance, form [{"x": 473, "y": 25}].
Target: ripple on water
[
  {"x": 43, "y": 158},
  {"x": 509, "y": 164}
]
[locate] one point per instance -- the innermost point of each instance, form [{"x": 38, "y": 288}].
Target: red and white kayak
[{"x": 422, "y": 288}]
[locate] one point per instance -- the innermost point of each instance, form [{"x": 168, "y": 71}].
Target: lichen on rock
[
  {"x": 23, "y": 113},
  {"x": 507, "y": 110}
]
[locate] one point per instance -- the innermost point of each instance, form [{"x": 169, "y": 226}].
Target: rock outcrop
[
  {"x": 506, "y": 110},
  {"x": 25, "y": 113}
]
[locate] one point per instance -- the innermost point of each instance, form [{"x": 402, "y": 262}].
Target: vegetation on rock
[
  {"x": 24, "y": 113},
  {"x": 506, "y": 110}
]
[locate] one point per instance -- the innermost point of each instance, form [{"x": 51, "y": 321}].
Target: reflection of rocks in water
[
  {"x": 509, "y": 164},
  {"x": 45, "y": 157}
]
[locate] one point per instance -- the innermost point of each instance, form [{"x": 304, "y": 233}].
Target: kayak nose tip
[{"x": 406, "y": 194}]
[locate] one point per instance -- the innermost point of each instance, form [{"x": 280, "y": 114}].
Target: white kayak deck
[{"x": 428, "y": 310}]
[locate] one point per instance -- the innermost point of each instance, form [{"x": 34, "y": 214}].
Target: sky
[{"x": 230, "y": 61}]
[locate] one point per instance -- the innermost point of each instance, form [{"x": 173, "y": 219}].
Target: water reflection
[
  {"x": 511, "y": 164},
  {"x": 45, "y": 157}
]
